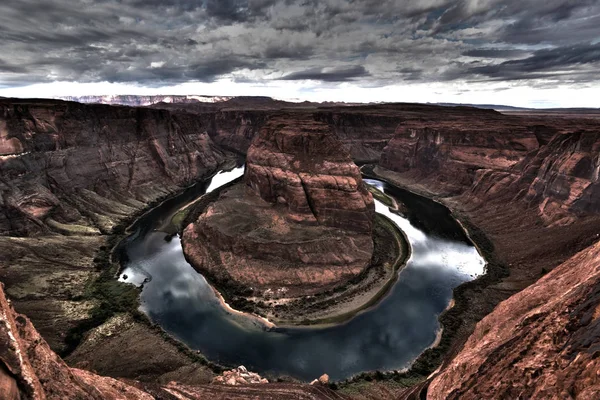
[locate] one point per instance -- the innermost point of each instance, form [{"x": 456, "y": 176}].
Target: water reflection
[{"x": 388, "y": 337}]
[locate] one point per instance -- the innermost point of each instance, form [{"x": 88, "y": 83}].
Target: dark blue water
[{"x": 387, "y": 337}]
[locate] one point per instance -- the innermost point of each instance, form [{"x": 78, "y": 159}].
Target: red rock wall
[
  {"x": 300, "y": 163},
  {"x": 558, "y": 176},
  {"x": 73, "y": 162}
]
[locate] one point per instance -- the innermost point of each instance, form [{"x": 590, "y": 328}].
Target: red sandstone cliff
[
  {"x": 300, "y": 223},
  {"x": 542, "y": 343},
  {"x": 92, "y": 166},
  {"x": 299, "y": 163},
  {"x": 558, "y": 175}
]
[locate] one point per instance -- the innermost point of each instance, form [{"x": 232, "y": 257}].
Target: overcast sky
[{"x": 526, "y": 52}]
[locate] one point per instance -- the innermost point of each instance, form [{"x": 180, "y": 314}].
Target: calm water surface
[{"x": 387, "y": 337}]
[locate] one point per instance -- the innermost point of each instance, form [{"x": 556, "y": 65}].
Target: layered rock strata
[
  {"x": 77, "y": 168},
  {"x": 300, "y": 164},
  {"x": 299, "y": 224},
  {"x": 554, "y": 171},
  {"x": 69, "y": 175}
]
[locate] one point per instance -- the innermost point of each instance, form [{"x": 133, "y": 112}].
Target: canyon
[{"x": 73, "y": 177}]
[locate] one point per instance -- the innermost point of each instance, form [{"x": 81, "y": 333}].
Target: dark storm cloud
[
  {"x": 342, "y": 74},
  {"x": 372, "y": 42},
  {"x": 6, "y": 67},
  {"x": 495, "y": 53},
  {"x": 573, "y": 60}
]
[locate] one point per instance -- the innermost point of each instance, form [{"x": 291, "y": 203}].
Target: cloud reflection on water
[{"x": 388, "y": 337}]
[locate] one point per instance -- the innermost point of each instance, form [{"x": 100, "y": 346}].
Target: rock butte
[{"x": 300, "y": 222}]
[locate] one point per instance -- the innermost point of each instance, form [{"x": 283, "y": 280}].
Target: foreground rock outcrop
[
  {"x": 30, "y": 370},
  {"x": 239, "y": 376},
  {"x": 299, "y": 224},
  {"x": 542, "y": 343}
]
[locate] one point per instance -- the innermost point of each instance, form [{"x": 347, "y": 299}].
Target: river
[{"x": 387, "y": 337}]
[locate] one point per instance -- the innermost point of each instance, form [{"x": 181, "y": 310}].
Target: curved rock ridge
[
  {"x": 300, "y": 223},
  {"x": 301, "y": 164}
]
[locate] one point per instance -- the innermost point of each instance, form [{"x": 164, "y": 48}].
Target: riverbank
[
  {"x": 449, "y": 337},
  {"x": 514, "y": 243},
  {"x": 357, "y": 297}
]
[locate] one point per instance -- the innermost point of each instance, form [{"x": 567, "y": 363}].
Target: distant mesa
[{"x": 137, "y": 101}]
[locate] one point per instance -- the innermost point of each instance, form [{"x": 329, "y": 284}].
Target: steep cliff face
[
  {"x": 299, "y": 163},
  {"x": 300, "y": 223},
  {"x": 565, "y": 176},
  {"x": 559, "y": 176},
  {"x": 235, "y": 129},
  {"x": 542, "y": 343},
  {"x": 364, "y": 135},
  {"x": 70, "y": 173},
  {"x": 456, "y": 155},
  {"x": 30, "y": 370},
  {"x": 69, "y": 166},
  {"x": 363, "y": 130}
]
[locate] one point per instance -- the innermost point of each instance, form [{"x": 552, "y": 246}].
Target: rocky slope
[
  {"x": 300, "y": 223},
  {"x": 30, "y": 370},
  {"x": 72, "y": 174}
]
